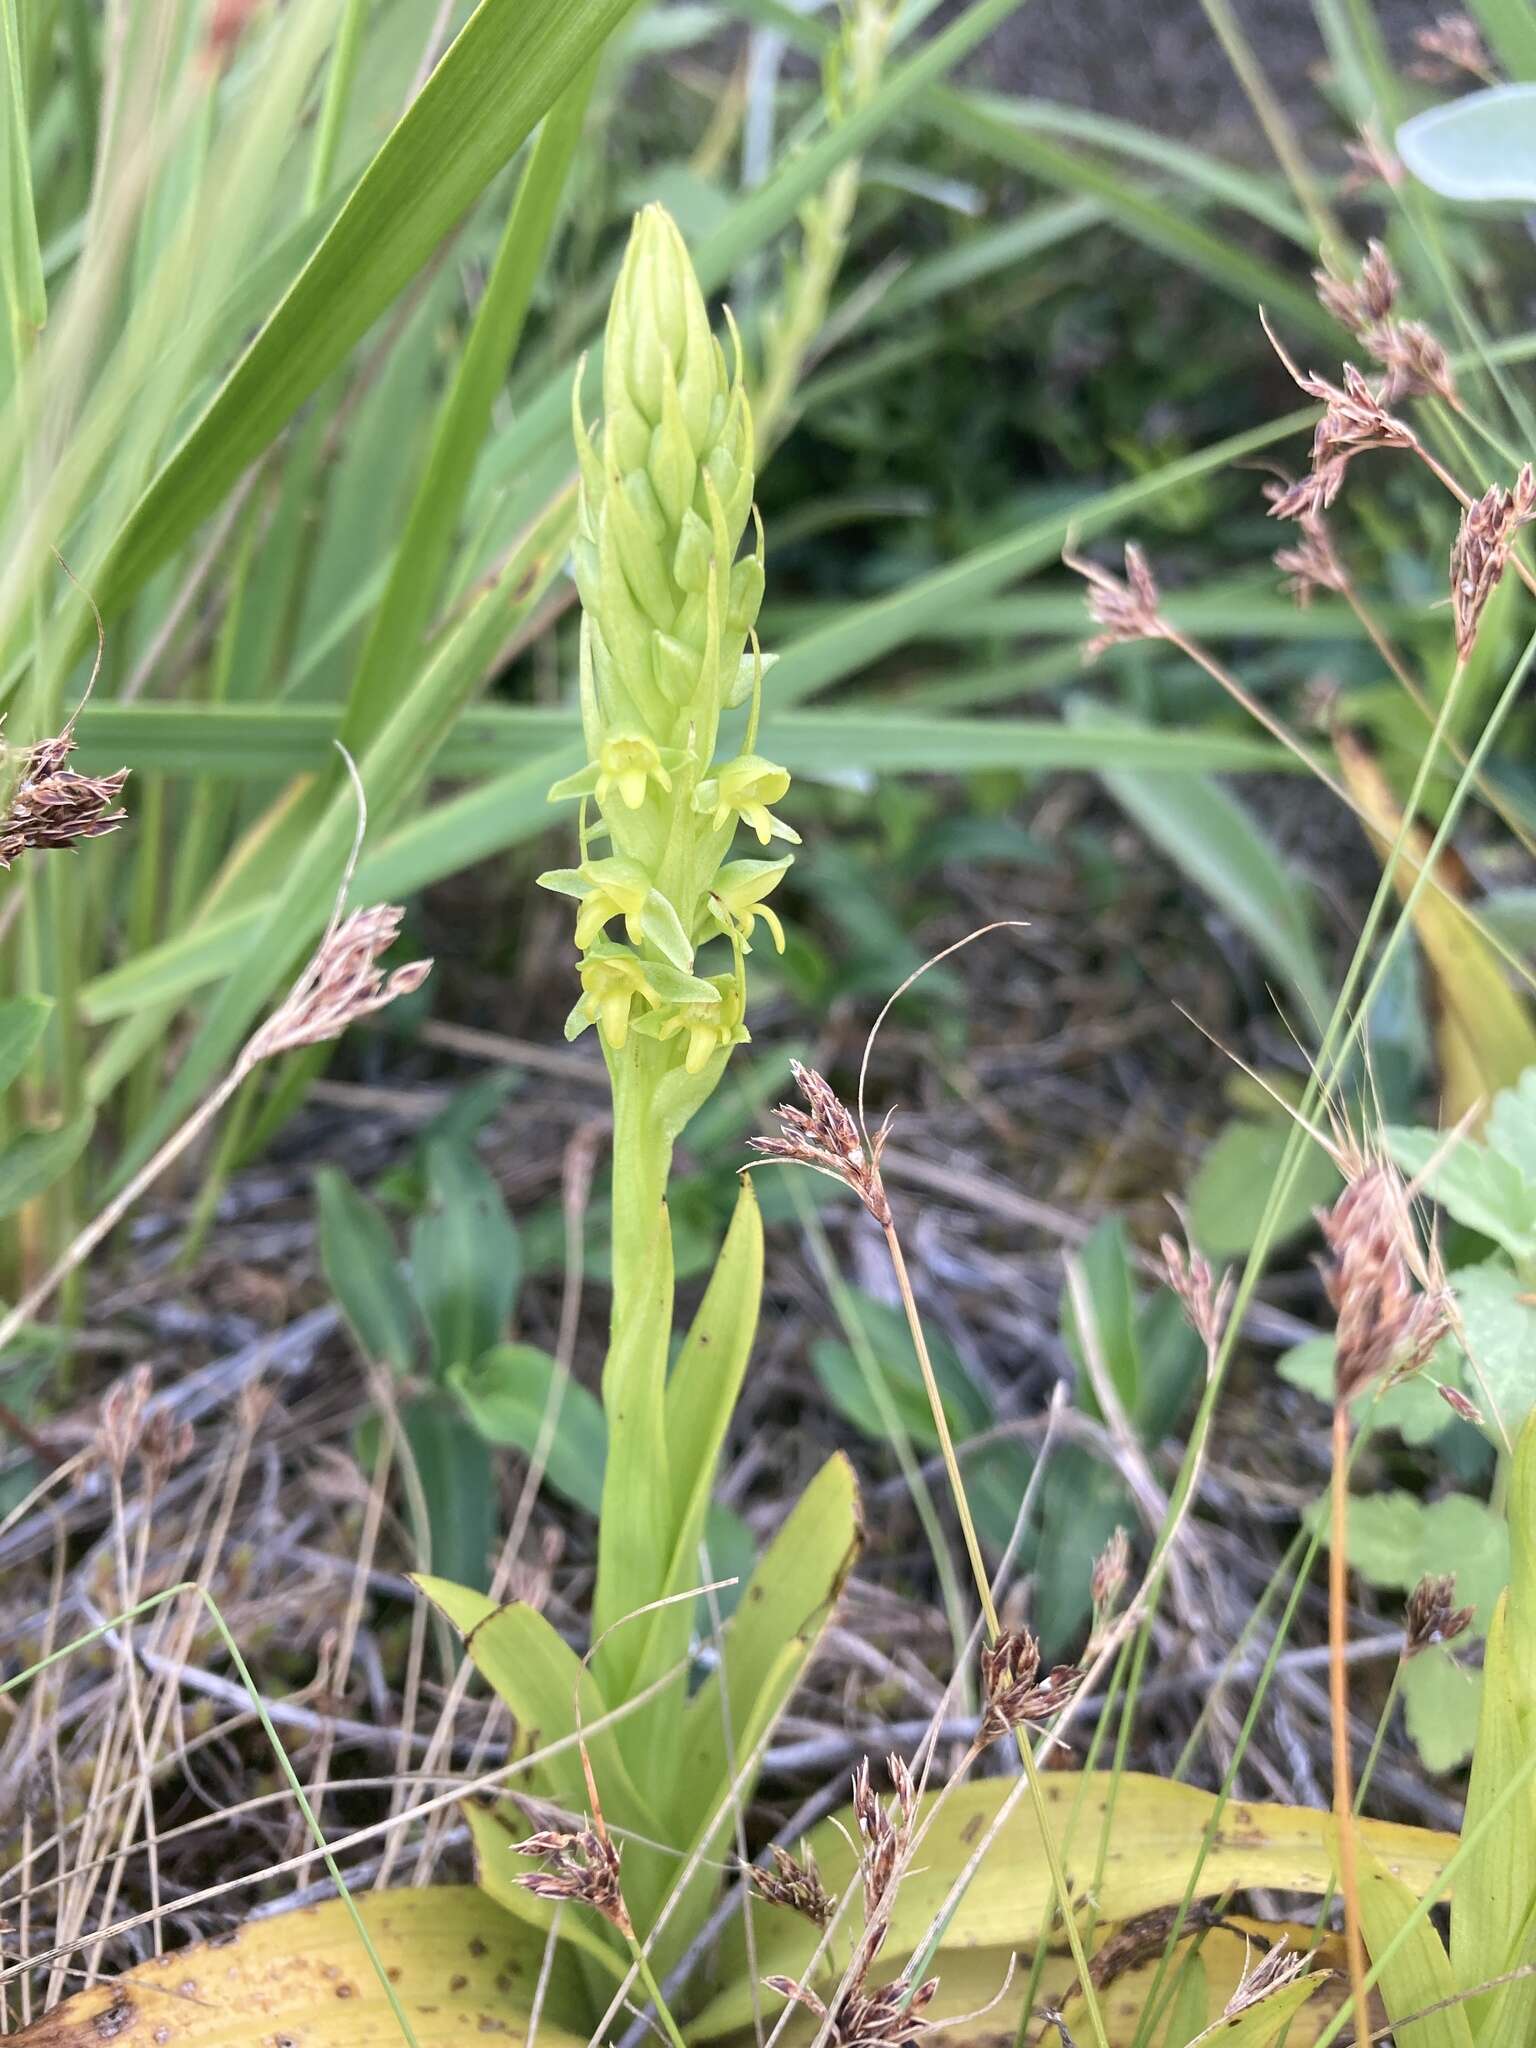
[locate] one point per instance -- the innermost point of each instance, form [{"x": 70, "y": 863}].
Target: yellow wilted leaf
[
  {"x": 462, "y": 1969},
  {"x": 970, "y": 1980},
  {"x": 1483, "y": 1028},
  {"x": 1154, "y": 1838}
]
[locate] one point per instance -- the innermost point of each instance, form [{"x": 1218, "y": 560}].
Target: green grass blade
[
  {"x": 267, "y": 742},
  {"x": 338, "y": 87},
  {"x": 416, "y": 574},
  {"x": 25, "y": 293},
  {"x": 506, "y": 67},
  {"x": 864, "y": 632},
  {"x": 1510, "y": 27},
  {"x": 976, "y": 124},
  {"x": 1228, "y": 186}
]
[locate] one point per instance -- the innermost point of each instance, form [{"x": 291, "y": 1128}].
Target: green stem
[
  {"x": 642, "y": 1159},
  {"x": 338, "y": 90},
  {"x": 653, "y": 1990}
]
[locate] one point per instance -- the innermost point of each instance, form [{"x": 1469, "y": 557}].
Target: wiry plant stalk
[
  {"x": 341, "y": 983},
  {"x": 825, "y": 1137},
  {"x": 1338, "y": 1704}
]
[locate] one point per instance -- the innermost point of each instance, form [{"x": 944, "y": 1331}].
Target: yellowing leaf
[
  {"x": 1484, "y": 1030},
  {"x": 1210, "y": 1967},
  {"x": 1154, "y": 1839},
  {"x": 462, "y": 1969}
]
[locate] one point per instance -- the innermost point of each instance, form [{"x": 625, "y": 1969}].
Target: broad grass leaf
[
  {"x": 461, "y": 1967},
  {"x": 1231, "y": 1189},
  {"x": 540, "y": 1679},
  {"x": 248, "y": 742},
  {"x": 23, "y": 1020},
  {"x": 1511, "y": 32},
  {"x": 1190, "y": 2003},
  {"x": 21, "y": 259},
  {"x": 1418, "y": 1973},
  {"x": 787, "y": 1601},
  {"x": 884, "y": 1348},
  {"x": 32, "y": 1162},
  {"x": 993, "y": 126},
  {"x": 1154, "y": 1839},
  {"x": 453, "y": 1467},
  {"x": 363, "y": 1270},
  {"x": 427, "y": 532},
  {"x": 465, "y": 1260},
  {"x": 505, "y": 1394}
]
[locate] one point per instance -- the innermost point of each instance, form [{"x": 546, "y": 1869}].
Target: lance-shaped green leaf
[
  {"x": 34, "y": 1161},
  {"x": 1417, "y": 1974},
  {"x": 362, "y": 1267},
  {"x": 549, "y": 1692},
  {"x": 416, "y": 572},
  {"x": 23, "y": 1020},
  {"x": 699, "y": 1400}
]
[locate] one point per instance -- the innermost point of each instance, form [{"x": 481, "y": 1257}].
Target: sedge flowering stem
[
  {"x": 1338, "y": 1700},
  {"x": 989, "y": 1614}
]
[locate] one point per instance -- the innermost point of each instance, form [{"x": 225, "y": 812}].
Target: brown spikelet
[
  {"x": 1354, "y": 419},
  {"x": 1385, "y": 1323},
  {"x": 1359, "y": 302},
  {"x": 1125, "y": 609},
  {"x": 1432, "y": 1615},
  {"x": 582, "y": 1868},
  {"x": 1414, "y": 360},
  {"x": 1458, "y": 1404},
  {"x": 342, "y": 983},
  {"x": 890, "y": 2017},
  {"x": 1111, "y": 1569},
  {"x": 123, "y": 1411},
  {"x": 1370, "y": 162},
  {"x": 1451, "y": 44},
  {"x": 1310, "y": 563},
  {"x": 1206, "y": 1299},
  {"x": 793, "y": 1882},
  {"x": 1481, "y": 550},
  {"x": 824, "y": 1137},
  {"x": 52, "y": 807},
  {"x": 1015, "y": 1693}
]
